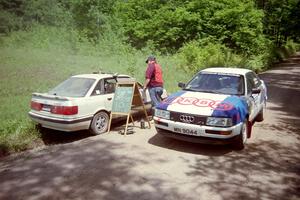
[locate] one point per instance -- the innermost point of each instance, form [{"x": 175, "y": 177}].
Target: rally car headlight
[
  {"x": 216, "y": 121},
  {"x": 162, "y": 113}
]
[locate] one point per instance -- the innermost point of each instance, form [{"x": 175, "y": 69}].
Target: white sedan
[
  {"x": 80, "y": 102},
  {"x": 219, "y": 105}
]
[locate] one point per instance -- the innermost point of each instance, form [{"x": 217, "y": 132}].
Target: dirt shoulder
[{"x": 144, "y": 165}]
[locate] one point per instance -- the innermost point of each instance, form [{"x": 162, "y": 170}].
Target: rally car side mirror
[{"x": 181, "y": 85}]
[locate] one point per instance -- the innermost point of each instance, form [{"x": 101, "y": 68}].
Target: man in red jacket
[{"x": 154, "y": 81}]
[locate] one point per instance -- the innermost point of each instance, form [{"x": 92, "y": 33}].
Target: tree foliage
[
  {"x": 91, "y": 16},
  {"x": 170, "y": 24},
  {"x": 282, "y": 19},
  {"x": 45, "y": 12},
  {"x": 242, "y": 27}
]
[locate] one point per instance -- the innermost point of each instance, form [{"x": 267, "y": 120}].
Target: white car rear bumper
[{"x": 70, "y": 124}]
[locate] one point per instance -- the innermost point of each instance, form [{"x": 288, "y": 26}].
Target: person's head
[{"x": 151, "y": 59}]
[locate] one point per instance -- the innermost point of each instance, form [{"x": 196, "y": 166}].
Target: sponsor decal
[
  {"x": 232, "y": 106},
  {"x": 204, "y": 103},
  {"x": 165, "y": 103},
  {"x": 220, "y": 105},
  {"x": 186, "y": 101},
  {"x": 238, "y": 113}
]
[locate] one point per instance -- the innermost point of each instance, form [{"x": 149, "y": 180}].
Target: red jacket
[{"x": 154, "y": 73}]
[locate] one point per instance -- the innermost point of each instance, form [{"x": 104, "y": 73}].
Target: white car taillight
[
  {"x": 36, "y": 106},
  {"x": 64, "y": 110}
]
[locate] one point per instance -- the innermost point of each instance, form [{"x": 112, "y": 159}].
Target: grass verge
[{"x": 27, "y": 70}]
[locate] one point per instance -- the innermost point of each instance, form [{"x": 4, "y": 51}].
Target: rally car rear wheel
[
  {"x": 242, "y": 137},
  {"x": 99, "y": 123}
]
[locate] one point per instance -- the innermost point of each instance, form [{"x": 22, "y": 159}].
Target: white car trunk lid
[{"x": 52, "y": 105}]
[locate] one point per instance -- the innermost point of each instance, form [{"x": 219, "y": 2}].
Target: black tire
[
  {"x": 40, "y": 128},
  {"x": 242, "y": 137},
  {"x": 260, "y": 116},
  {"x": 158, "y": 130},
  {"x": 99, "y": 123}
]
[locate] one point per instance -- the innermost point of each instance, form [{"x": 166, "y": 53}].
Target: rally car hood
[{"x": 206, "y": 104}]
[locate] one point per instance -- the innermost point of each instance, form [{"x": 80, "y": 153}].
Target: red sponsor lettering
[
  {"x": 186, "y": 100},
  {"x": 216, "y": 105},
  {"x": 204, "y": 103}
]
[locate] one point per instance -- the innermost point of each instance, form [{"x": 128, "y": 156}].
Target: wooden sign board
[{"x": 126, "y": 99}]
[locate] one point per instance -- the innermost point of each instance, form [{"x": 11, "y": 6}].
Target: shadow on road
[
  {"x": 188, "y": 147},
  {"x": 236, "y": 176},
  {"x": 283, "y": 84},
  {"x": 51, "y": 137},
  {"x": 61, "y": 173}
]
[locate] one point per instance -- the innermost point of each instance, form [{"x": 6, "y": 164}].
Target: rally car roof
[{"x": 231, "y": 70}]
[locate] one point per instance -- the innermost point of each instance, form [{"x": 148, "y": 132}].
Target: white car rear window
[{"x": 73, "y": 87}]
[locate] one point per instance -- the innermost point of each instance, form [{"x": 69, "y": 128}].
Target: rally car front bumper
[{"x": 197, "y": 133}]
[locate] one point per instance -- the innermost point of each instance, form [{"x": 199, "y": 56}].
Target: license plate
[
  {"x": 186, "y": 131},
  {"x": 46, "y": 108}
]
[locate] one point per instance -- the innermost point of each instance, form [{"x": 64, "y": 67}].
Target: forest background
[{"x": 43, "y": 42}]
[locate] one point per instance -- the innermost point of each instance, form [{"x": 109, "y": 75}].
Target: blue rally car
[{"x": 219, "y": 105}]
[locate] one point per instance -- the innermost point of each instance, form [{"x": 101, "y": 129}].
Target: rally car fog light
[
  {"x": 217, "y": 121},
  {"x": 161, "y": 123},
  {"x": 162, "y": 113},
  {"x": 218, "y": 132}
]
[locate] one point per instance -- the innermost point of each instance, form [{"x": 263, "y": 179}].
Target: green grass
[{"x": 27, "y": 70}]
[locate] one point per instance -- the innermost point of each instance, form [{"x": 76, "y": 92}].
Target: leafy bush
[
  {"x": 256, "y": 63},
  {"x": 194, "y": 56},
  {"x": 67, "y": 41},
  {"x": 285, "y": 51},
  {"x": 9, "y": 22},
  {"x": 291, "y": 47}
]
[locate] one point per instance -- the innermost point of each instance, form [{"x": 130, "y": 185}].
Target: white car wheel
[{"x": 99, "y": 123}]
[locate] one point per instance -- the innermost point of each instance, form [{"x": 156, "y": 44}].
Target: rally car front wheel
[{"x": 242, "y": 137}]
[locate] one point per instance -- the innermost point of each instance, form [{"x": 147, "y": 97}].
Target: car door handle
[{"x": 109, "y": 99}]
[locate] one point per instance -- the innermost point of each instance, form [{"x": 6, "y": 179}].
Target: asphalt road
[{"x": 144, "y": 165}]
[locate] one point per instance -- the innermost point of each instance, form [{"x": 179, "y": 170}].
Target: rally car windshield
[
  {"x": 217, "y": 83},
  {"x": 73, "y": 87}
]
